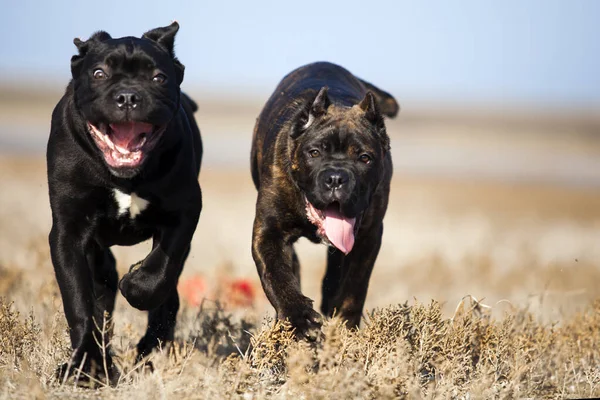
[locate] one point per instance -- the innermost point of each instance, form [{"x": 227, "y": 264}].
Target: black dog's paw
[
  {"x": 148, "y": 343},
  {"x": 305, "y": 321},
  {"x": 143, "y": 290},
  {"x": 91, "y": 374}
]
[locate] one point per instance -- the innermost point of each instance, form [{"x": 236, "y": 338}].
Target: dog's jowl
[
  {"x": 321, "y": 163},
  {"x": 123, "y": 162}
]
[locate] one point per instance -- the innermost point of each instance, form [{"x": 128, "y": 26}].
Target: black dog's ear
[
  {"x": 318, "y": 108},
  {"x": 83, "y": 47},
  {"x": 372, "y": 113},
  {"x": 100, "y": 36},
  {"x": 164, "y": 36}
]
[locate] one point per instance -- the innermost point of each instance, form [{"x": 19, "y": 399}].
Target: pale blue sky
[{"x": 542, "y": 51}]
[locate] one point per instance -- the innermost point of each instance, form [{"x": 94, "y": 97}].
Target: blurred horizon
[
  {"x": 535, "y": 53},
  {"x": 495, "y": 92}
]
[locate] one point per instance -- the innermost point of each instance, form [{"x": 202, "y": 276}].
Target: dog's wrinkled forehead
[
  {"x": 129, "y": 53},
  {"x": 153, "y": 50},
  {"x": 343, "y": 128},
  {"x": 318, "y": 116}
]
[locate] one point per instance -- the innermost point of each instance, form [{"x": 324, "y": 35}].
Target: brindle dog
[{"x": 322, "y": 165}]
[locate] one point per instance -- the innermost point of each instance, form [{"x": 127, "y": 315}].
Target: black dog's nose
[
  {"x": 335, "y": 179},
  {"x": 127, "y": 99}
]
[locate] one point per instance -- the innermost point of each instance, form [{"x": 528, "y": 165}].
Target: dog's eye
[
  {"x": 365, "y": 158},
  {"x": 314, "y": 153},
  {"x": 159, "y": 78},
  {"x": 99, "y": 74}
]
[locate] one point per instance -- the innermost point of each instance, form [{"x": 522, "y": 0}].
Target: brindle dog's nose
[
  {"x": 335, "y": 179},
  {"x": 128, "y": 100}
]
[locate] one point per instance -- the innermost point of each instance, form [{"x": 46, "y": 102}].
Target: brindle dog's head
[
  {"x": 338, "y": 155},
  {"x": 127, "y": 90}
]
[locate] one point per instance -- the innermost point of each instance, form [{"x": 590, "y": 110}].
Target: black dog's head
[
  {"x": 338, "y": 156},
  {"x": 127, "y": 89}
]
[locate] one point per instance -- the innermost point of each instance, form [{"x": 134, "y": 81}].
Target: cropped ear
[
  {"x": 317, "y": 108},
  {"x": 321, "y": 104},
  {"x": 370, "y": 107},
  {"x": 164, "y": 36},
  {"x": 83, "y": 47}
]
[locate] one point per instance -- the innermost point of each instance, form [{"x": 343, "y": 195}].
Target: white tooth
[{"x": 122, "y": 150}]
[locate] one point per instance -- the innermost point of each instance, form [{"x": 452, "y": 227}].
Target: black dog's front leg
[
  {"x": 149, "y": 284},
  {"x": 161, "y": 324},
  {"x": 274, "y": 258},
  {"x": 74, "y": 277}
]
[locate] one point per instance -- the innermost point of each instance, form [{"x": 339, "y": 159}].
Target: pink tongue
[
  {"x": 125, "y": 133},
  {"x": 339, "y": 229}
]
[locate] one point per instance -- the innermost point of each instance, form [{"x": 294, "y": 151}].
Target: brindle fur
[{"x": 280, "y": 175}]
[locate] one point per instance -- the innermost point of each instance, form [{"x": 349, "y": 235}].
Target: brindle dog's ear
[
  {"x": 371, "y": 108},
  {"x": 165, "y": 37},
  {"x": 321, "y": 104},
  {"x": 317, "y": 108},
  {"x": 84, "y": 47},
  {"x": 372, "y": 114}
]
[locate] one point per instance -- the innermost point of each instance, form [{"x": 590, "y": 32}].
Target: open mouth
[
  {"x": 125, "y": 144},
  {"x": 332, "y": 225}
]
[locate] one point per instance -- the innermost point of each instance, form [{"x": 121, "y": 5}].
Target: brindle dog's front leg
[
  {"x": 149, "y": 284},
  {"x": 274, "y": 257},
  {"x": 349, "y": 300}
]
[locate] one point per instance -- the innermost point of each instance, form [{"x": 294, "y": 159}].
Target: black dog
[
  {"x": 123, "y": 161},
  {"x": 321, "y": 163}
]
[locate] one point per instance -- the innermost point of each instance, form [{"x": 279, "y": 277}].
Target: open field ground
[{"x": 500, "y": 207}]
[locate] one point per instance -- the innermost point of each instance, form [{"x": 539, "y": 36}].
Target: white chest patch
[{"x": 129, "y": 202}]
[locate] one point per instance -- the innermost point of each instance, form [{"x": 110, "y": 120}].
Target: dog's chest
[{"x": 130, "y": 204}]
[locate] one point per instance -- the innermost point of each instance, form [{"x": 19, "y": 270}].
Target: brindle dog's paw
[
  {"x": 306, "y": 322},
  {"x": 143, "y": 290}
]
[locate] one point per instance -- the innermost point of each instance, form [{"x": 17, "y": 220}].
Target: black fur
[{"x": 86, "y": 220}]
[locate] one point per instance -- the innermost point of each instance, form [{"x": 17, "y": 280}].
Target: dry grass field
[
  {"x": 403, "y": 351},
  {"x": 487, "y": 284}
]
